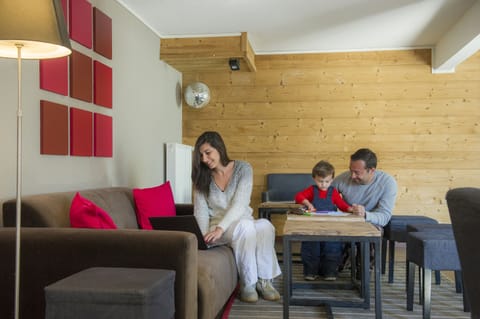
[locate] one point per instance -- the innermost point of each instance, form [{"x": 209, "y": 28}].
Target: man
[{"x": 371, "y": 192}]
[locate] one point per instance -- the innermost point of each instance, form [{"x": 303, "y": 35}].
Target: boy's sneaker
[
  {"x": 330, "y": 271},
  {"x": 310, "y": 277},
  {"x": 330, "y": 277},
  {"x": 266, "y": 290},
  {"x": 248, "y": 294}
]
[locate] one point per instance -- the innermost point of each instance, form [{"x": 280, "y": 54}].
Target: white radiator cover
[{"x": 179, "y": 170}]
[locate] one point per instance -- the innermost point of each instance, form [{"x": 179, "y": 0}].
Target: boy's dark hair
[
  {"x": 365, "y": 155},
  {"x": 323, "y": 169}
]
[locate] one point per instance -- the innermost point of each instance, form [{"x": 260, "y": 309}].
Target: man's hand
[
  {"x": 358, "y": 210},
  {"x": 214, "y": 235}
]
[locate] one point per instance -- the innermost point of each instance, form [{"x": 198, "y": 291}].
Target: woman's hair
[
  {"x": 366, "y": 155},
  {"x": 323, "y": 169},
  {"x": 201, "y": 174}
]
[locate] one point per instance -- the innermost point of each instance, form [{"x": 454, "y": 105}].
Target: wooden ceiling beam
[{"x": 207, "y": 53}]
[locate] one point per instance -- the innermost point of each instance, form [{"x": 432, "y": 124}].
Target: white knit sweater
[{"x": 221, "y": 208}]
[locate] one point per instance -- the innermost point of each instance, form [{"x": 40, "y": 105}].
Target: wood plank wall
[{"x": 298, "y": 109}]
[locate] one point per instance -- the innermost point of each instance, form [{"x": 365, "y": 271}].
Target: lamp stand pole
[{"x": 19, "y": 181}]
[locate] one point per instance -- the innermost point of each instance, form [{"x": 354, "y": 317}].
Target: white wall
[{"x": 145, "y": 114}]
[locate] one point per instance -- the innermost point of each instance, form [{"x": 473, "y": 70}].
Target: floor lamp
[{"x": 29, "y": 30}]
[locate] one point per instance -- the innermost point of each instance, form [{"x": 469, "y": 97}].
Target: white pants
[{"x": 252, "y": 241}]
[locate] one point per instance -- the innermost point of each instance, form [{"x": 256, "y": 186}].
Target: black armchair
[{"x": 464, "y": 209}]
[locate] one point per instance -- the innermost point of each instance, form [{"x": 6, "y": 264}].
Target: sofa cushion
[
  {"x": 117, "y": 202},
  {"x": 85, "y": 214},
  {"x": 153, "y": 202}
]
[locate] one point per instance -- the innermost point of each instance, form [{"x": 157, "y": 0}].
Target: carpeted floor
[{"x": 446, "y": 303}]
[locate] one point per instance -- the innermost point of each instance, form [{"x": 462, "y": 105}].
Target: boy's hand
[{"x": 308, "y": 205}]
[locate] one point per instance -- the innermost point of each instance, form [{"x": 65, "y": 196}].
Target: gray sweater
[
  {"x": 378, "y": 197},
  {"x": 221, "y": 208}
]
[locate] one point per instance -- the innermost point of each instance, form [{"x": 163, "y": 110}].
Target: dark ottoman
[
  {"x": 120, "y": 293},
  {"x": 396, "y": 231},
  {"x": 430, "y": 250}
]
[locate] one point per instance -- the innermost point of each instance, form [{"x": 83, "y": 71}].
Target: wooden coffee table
[{"x": 324, "y": 229}]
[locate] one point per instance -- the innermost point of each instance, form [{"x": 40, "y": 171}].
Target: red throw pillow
[
  {"x": 153, "y": 202},
  {"x": 85, "y": 214}
]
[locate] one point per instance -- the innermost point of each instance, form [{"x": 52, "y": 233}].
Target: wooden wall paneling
[
  {"x": 329, "y": 126},
  {"x": 298, "y": 109},
  {"x": 337, "y": 109},
  {"x": 352, "y": 92}
]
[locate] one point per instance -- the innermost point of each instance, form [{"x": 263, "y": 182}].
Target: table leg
[
  {"x": 262, "y": 213},
  {"x": 366, "y": 273},
  {"x": 287, "y": 275},
  {"x": 353, "y": 261},
  {"x": 427, "y": 291},
  {"x": 378, "y": 290}
]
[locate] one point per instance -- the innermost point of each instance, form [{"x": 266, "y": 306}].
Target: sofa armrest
[
  {"x": 40, "y": 211},
  {"x": 50, "y": 254}
]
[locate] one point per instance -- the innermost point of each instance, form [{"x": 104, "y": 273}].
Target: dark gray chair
[
  {"x": 282, "y": 187},
  {"x": 464, "y": 209}
]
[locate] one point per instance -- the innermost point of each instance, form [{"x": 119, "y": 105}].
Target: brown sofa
[{"x": 51, "y": 250}]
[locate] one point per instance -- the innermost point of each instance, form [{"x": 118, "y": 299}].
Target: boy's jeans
[{"x": 320, "y": 258}]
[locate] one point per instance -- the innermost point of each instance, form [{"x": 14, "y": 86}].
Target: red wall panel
[
  {"x": 103, "y": 135},
  {"x": 102, "y": 33},
  {"x": 102, "y": 84},
  {"x": 80, "y": 76},
  {"x": 53, "y": 128},
  {"x": 81, "y": 132},
  {"x": 54, "y": 75},
  {"x": 81, "y": 22}
]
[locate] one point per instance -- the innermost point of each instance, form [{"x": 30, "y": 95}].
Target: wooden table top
[
  {"x": 327, "y": 218},
  {"x": 329, "y": 228},
  {"x": 287, "y": 204}
]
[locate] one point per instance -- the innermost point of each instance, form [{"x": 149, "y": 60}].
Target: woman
[{"x": 222, "y": 191}]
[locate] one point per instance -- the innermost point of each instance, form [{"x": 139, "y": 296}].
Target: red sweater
[{"x": 307, "y": 193}]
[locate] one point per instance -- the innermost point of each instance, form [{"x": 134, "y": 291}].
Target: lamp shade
[{"x": 38, "y": 26}]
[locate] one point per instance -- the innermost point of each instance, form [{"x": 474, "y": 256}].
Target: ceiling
[{"x": 307, "y": 26}]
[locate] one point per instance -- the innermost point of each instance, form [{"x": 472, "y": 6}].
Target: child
[{"x": 321, "y": 257}]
